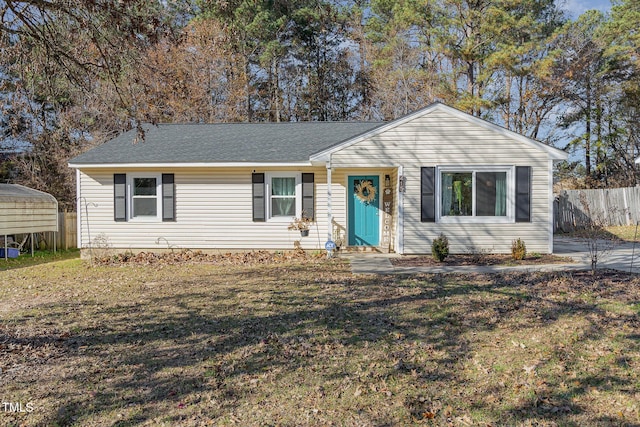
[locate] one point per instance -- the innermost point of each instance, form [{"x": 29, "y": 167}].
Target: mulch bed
[{"x": 478, "y": 259}]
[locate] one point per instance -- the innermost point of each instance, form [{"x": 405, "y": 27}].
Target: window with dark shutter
[
  {"x": 168, "y": 197},
  {"x": 428, "y": 194},
  {"x": 120, "y": 197},
  {"x": 257, "y": 183},
  {"x": 523, "y": 194},
  {"x": 308, "y": 208}
]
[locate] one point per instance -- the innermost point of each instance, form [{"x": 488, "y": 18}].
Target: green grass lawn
[
  {"x": 39, "y": 257},
  {"x": 310, "y": 344}
]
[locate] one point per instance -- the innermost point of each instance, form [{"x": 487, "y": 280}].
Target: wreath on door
[{"x": 365, "y": 192}]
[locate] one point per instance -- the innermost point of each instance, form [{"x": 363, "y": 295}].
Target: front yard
[{"x": 307, "y": 343}]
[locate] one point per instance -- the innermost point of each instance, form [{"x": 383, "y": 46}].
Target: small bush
[
  {"x": 518, "y": 250},
  {"x": 440, "y": 247},
  {"x": 478, "y": 255}
]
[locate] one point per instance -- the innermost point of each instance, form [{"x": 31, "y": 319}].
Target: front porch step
[{"x": 363, "y": 249}]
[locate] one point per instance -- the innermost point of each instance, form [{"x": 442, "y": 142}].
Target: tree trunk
[
  {"x": 601, "y": 162},
  {"x": 587, "y": 133},
  {"x": 248, "y": 89}
]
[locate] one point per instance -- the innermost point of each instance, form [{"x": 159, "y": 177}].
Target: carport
[{"x": 24, "y": 210}]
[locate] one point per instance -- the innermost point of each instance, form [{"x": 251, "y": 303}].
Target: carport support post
[
  {"x": 6, "y": 248},
  {"x": 31, "y": 245}
]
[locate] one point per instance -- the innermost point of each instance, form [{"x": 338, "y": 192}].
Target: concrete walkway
[{"x": 619, "y": 257}]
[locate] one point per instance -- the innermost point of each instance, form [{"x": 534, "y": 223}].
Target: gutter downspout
[
  {"x": 329, "y": 213},
  {"x": 400, "y": 223},
  {"x": 79, "y": 212},
  {"x": 551, "y": 198}
]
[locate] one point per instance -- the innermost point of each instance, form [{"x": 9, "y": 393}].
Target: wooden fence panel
[
  {"x": 615, "y": 206},
  {"x": 67, "y": 236},
  {"x": 67, "y": 230}
]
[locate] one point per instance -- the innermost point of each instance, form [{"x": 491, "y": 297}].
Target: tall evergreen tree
[{"x": 580, "y": 75}]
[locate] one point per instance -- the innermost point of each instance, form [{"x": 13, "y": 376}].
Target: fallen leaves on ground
[
  {"x": 182, "y": 341},
  {"x": 197, "y": 256},
  {"x": 478, "y": 259}
]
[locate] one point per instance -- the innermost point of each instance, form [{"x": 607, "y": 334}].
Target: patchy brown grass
[
  {"x": 616, "y": 233},
  {"x": 624, "y": 232},
  {"x": 309, "y": 344},
  {"x": 479, "y": 259}
]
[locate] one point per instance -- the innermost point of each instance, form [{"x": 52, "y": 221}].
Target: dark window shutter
[
  {"x": 523, "y": 193},
  {"x": 119, "y": 197},
  {"x": 168, "y": 197},
  {"x": 308, "y": 210},
  {"x": 257, "y": 181},
  {"x": 428, "y": 194}
]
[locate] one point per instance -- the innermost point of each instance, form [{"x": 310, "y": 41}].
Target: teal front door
[{"x": 364, "y": 213}]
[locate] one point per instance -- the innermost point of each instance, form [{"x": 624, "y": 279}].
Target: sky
[{"x": 577, "y": 7}]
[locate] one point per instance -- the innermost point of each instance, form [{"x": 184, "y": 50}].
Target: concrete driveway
[{"x": 620, "y": 256}]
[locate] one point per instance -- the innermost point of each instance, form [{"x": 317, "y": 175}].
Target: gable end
[{"x": 553, "y": 153}]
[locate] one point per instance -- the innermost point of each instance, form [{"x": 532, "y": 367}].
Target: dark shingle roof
[{"x": 224, "y": 142}]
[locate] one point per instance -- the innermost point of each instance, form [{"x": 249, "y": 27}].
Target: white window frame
[
  {"x": 511, "y": 201},
  {"x": 298, "y": 197},
  {"x": 158, "y": 197}
]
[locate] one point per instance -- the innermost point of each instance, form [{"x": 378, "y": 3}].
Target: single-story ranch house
[{"x": 391, "y": 186}]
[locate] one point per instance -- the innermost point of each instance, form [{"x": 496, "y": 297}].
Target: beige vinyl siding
[
  {"x": 440, "y": 139},
  {"x": 214, "y": 205},
  {"x": 213, "y": 211}
]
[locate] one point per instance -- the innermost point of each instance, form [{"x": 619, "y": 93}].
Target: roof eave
[{"x": 186, "y": 165}]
